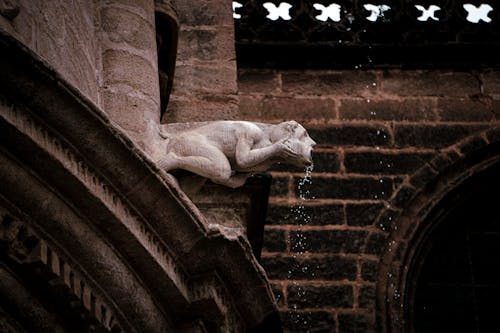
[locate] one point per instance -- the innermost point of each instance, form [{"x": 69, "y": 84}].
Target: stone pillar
[
  {"x": 204, "y": 85},
  {"x": 130, "y": 88}
]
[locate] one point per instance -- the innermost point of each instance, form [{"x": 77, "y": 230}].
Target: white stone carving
[
  {"x": 228, "y": 152},
  {"x": 236, "y": 5},
  {"x": 275, "y": 12},
  {"x": 476, "y": 14},
  {"x": 331, "y": 12},
  {"x": 429, "y": 13},
  {"x": 376, "y": 11}
]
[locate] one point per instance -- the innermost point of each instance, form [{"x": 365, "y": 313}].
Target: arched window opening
[
  {"x": 454, "y": 281},
  {"x": 167, "y": 29}
]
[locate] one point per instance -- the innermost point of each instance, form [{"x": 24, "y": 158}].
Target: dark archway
[
  {"x": 454, "y": 280},
  {"x": 441, "y": 187}
]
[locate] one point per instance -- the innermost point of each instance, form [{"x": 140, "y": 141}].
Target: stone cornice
[{"x": 137, "y": 209}]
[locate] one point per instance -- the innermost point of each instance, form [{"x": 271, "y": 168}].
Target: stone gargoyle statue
[{"x": 228, "y": 152}]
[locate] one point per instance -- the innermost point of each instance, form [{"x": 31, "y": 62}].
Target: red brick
[
  {"x": 275, "y": 109},
  {"x": 258, "y": 81},
  {"x": 433, "y": 136},
  {"x": 384, "y": 163},
  {"x": 274, "y": 240},
  {"x": 377, "y": 188},
  {"x": 279, "y": 186},
  {"x": 354, "y": 323},
  {"x": 351, "y": 135},
  {"x": 317, "y": 321},
  {"x": 305, "y": 296},
  {"x": 317, "y": 214},
  {"x": 300, "y": 109},
  {"x": 332, "y": 241},
  {"x": 465, "y": 109},
  {"x": 430, "y": 83},
  {"x": 333, "y": 268},
  {"x": 353, "y": 83},
  {"x": 491, "y": 82},
  {"x": 250, "y": 107},
  {"x": 387, "y": 109},
  {"x": 362, "y": 214}
]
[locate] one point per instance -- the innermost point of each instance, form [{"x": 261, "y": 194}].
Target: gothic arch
[{"x": 432, "y": 185}]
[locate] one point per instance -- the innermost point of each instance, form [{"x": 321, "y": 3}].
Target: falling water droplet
[{"x": 301, "y": 217}]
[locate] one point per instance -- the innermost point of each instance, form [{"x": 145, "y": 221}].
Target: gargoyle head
[{"x": 299, "y": 141}]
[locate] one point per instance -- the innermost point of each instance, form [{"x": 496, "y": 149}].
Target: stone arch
[
  {"x": 98, "y": 211},
  {"x": 416, "y": 208}
]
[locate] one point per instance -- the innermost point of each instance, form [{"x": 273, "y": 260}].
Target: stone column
[
  {"x": 204, "y": 85},
  {"x": 129, "y": 88}
]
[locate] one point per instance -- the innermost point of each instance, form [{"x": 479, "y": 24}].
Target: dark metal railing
[{"x": 367, "y": 32}]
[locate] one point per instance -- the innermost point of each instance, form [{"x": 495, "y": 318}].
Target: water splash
[{"x": 301, "y": 271}]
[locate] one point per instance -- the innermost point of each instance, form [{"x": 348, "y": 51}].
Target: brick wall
[{"x": 375, "y": 129}]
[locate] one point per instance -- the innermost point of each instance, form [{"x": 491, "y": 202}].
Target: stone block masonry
[
  {"x": 205, "y": 74},
  {"x": 378, "y": 133}
]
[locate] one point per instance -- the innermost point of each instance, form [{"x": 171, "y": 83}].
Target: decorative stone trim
[
  {"x": 143, "y": 221},
  {"x": 27, "y": 249},
  {"x": 98, "y": 187}
]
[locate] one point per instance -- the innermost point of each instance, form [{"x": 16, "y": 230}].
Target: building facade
[{"x": 396, "y": 223}]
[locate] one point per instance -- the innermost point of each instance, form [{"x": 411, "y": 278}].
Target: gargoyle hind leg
[{"x": 204, "y": 160}]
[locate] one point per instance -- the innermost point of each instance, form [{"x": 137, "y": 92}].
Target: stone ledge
[{"x": 119, "y": 182}]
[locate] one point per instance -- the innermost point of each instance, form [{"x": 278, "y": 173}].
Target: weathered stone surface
[
  {"x": 466, "y": 109},
  {"x": 115, "y": 212},
  {"x": 127, "y": 28},
  {"x": 205, "y": 12},
  {"x": 282, "y": 108},
  {"x": 206, "y": 78},
  {"x": 274, "y": 240},
  {"x": 66, "y": 41},
  {"x": 333, "y": 268},
  {"x": 319, "y": 297},
  {"x": 228, "y": 152},
  {"x": 351, "y": 135},
  {"x": 353, "y": 83},
  {"x": 206, "y": 44},
  {"x": 430, "y": 83},
  {"x": 330, "y": 241},
  {"x": 356, "y": 323},
  {"x": 434, "y": 136},
  {"x": 386, "y": 109},
  {"x": 201, "y": 108},
  {"x": 394, "y": 162},
  {"x": 321, "y": 321},
  {"x": 315, "y": 214},
  {"x": 369, "y": 270},
  {"x": 362, "y": 214},
  {"x": 258, "y": 81},
  {"x": 374, "y": 188}
]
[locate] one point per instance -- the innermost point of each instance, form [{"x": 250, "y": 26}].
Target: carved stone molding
[
  {"x": 36, "y": 256},
  {"x": 128, "y": 226},
  {"x": 9, "y": 9}
]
